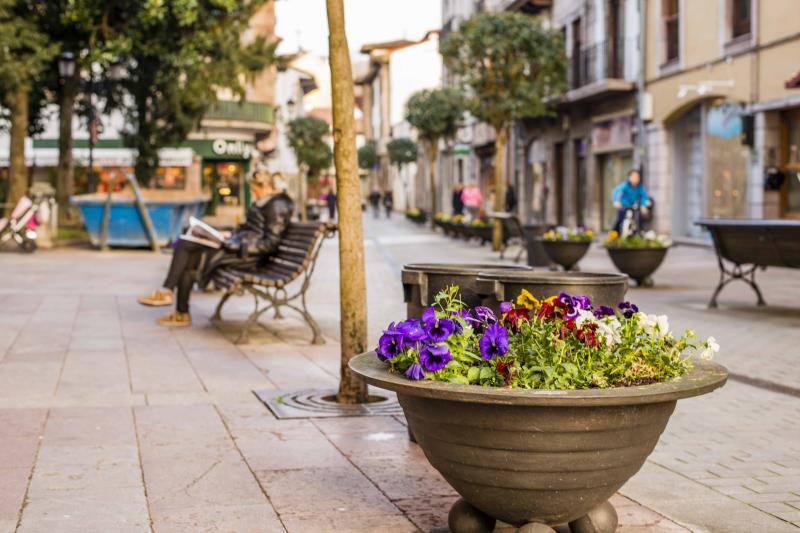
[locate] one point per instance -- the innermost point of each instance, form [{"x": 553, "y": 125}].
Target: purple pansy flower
[
  {"x": 570, "y": 309},
  {"x": 438, "y": 329},
  {"x": 415, "y": 372},
  {"x": 485, "y": 315},
  {"x": 494, "y": 341},
  {"x": 411, "y": 330},
  {"x": 584, "y": 302},
  {"x": 505, "y": 307},
  {"x": 628, "y": 309},
  {"x": 390, "y": 344},
  {"x": 434, "y": 356},
  {"x": 603, "y": 310}
]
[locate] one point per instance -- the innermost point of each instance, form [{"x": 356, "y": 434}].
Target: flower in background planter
[
  {"x": 391, "y": 343},
  {"x": 415, "y": 372},
  {"x": 494, "y": 341},
  {"x": 434, "y": 356},
  {"x": 438, "y": 329}
]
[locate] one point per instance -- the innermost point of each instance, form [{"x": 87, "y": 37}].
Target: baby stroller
[{"x": 21, "y": 225}]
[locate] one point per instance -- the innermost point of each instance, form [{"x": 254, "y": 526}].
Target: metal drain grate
[{"x": 314, "y": 403}]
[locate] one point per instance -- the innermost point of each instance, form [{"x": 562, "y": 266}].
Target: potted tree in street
[
  {"x": 511, "y": 67},
  {"x": 435, "y": 114},
  {"x": 307, "y": 139}
]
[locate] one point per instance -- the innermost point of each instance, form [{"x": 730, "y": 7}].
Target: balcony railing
[
  {"x": 243, "y": 111},
  {"x": 604, "y": 60}
]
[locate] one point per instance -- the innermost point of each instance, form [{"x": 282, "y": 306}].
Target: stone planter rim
[
  {"x": 573, "y": 278},
  {"x": 703, "y": 378},
  {"x": 637, "y": 249},
  {"x": 461, "y": 268}
]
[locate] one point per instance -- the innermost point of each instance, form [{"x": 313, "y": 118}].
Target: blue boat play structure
[{"x": 169, "y": 212}]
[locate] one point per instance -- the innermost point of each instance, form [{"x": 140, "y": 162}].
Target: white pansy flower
[
  {"x": 584, "y": 317},
  {"x": 711, "y": 348},
  {"x": 609, "y": 330},
  {"x": 655, "y": 326}
]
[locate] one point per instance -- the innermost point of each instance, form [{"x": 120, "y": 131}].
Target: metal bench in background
[
  {"x": 269, "y": 284},
  {"x": 745, "y": 245}
]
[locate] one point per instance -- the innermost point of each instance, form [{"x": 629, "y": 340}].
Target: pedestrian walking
[
  {"x": 472, "y": 199},
  {"x": 388, "y": 202},
  {"x": 629, "y": 195},
  {"x": 510, "y": 203},
  {"x": 374, "y": 201},
  {"x": 458, "y": 203},
  {"x": 330, "y": 199}
]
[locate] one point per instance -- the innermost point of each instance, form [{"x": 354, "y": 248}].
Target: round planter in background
[
  {"x": 537, "y": 256},
  {"x": 638, "y": 263},
  {"x": 422, "y": 281},
  {"x": 566, "y": 253},
  {"x": 536, "y": 456},
  {"x": 504, "y": 286}
]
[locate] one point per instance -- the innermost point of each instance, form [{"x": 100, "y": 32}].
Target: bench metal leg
[
  {"x": 748, "y": 275},
  {"x": 317, "y": 337},
  {"x": 218, "y": 310}
]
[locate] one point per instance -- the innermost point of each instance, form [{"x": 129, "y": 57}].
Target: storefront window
[
  {"x": 791, "y": 185},
  {"x": 171, "y": 178},
  {"x": 727, "y": 162}
]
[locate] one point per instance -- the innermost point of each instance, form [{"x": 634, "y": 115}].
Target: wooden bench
[
  {"x": 751, "y": 244},
  {"x": 295, "y": 260}
]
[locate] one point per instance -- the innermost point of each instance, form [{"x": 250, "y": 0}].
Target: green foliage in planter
[{"x": 562, "y": 342}]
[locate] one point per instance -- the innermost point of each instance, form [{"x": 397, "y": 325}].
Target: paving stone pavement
[{"x": 110, "y": 423}]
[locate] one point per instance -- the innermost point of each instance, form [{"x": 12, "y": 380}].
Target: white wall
[{"x": 411, "y": 69}]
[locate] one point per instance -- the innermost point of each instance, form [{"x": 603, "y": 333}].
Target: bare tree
[{"x": 352, "y": 284}]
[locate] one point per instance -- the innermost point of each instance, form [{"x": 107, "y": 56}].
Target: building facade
[{"x": 723, "y": 120}]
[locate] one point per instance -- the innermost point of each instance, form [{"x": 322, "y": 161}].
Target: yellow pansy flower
[{"x": 527, "y": 300}]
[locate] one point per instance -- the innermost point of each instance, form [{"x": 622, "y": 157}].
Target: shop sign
[
  {"x": 224, "y": 147},
  {"x": 611, "y": 134},
  {"x": 725, "y": 120}
]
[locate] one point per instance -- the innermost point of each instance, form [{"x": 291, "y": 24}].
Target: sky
[{"x": 304, "y": 22}]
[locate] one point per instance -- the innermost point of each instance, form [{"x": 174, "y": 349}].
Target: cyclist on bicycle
[{"x": 629, "y": 195}]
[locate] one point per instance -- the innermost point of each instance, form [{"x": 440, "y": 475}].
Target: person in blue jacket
[{"x": 629, "y": 194}]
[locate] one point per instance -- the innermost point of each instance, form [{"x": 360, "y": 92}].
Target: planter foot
[
  {"x": 601, "y": 519},
  {"x": 464, "y": 518},
  {"x": 535, "y": 527}
]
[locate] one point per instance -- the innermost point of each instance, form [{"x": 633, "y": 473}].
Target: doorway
[
  {"x": 689, "y": 167},
  {"x": 613, "y": 171},
  {"x": 559, "y": 182}
]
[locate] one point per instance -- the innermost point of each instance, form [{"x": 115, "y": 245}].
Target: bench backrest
[
  {"x": 760, "y": 244},
  {"x": 297, "y": 249}
]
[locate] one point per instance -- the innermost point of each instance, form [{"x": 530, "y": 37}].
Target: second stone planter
[{"x": 499, "y": 286}]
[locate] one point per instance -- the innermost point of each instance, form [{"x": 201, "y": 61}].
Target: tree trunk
[
  {"x": 499, "y": 185},
  {"x": 352, "y": 284},
  {"x": 65, "y": 182},
  {"x": 17, "y": 101},
  {"x": 303, "y": 200},
  {"x": 433, "y": 150}
]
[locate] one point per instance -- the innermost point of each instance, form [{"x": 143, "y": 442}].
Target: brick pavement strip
[{"x": 138, "y": 428}]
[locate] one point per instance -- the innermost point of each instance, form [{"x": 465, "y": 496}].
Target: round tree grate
[{"x": 320, "y": 403}]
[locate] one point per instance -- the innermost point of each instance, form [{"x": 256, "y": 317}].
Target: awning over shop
[{"x": 103, "y": 157}]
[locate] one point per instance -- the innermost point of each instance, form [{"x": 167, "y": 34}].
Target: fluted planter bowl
[
  {"x": 566, "y": 253},
  {"x": 536, "y": 456},
  {"x": 638, "y": 263},
  {"x": 603, "y": 288}
]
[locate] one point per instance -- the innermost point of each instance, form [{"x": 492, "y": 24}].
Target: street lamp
[{"x": 66, "y": 65}]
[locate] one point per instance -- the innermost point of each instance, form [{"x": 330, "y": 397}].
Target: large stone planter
[
  {"x": 504, "y": 286},
  {"x": 638, "y": 263},
  {"x": 422, "y": 281},
  {"x": 566, "y": 253},
  {"x": 536, "y": 457}
]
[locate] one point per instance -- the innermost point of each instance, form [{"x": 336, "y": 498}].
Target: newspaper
[{"x": 201, "y": 233}]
